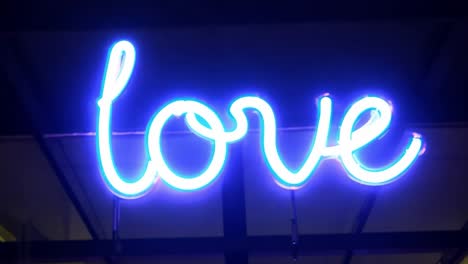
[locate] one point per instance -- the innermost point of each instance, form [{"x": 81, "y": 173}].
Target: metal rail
[{"x": 329, "y": 244}]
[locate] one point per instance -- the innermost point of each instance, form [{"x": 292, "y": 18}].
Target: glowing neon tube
[
  {"x": 119, "y": 69},
  {"x": 118, "y": 72}
]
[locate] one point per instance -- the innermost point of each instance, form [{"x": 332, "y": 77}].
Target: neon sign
[{"x": 205, "y": 122}]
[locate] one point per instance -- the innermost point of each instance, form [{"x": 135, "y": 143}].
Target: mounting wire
[
  {"x": 294, "y": 229},
  {"x": 116, "y": 225},
  {"x": 141, "y": 133}
]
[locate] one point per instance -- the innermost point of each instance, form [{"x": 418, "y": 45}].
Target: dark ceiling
[
  {"x": 116, "y": 15},
  {"x": 413, "y": 53}
]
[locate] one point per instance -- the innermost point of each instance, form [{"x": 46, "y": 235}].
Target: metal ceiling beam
[
  {"x": 149, "y": 14},
  {"x": 234, "y": 218},
  {"x": 457, "y": 255},
  {"x": 330, "y": 244},
  {"x": 361, "y": 220}
]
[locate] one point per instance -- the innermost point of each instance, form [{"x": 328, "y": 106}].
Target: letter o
[{"x": 178, "y": 108}]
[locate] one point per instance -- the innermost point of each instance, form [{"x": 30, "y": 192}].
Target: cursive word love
[{"x": 206, "y": 123}]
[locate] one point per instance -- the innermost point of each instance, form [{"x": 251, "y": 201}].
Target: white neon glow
[
  {"x": 118, "y": 72},
  {"x": 119, "y": 69},
  {"x": 269, "y": 145},
  {"x": 178, "y": 108},
  {"x": 349, "y": 144}
]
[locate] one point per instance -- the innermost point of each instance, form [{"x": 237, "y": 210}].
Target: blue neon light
[{"x": 119, "y": 69}]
